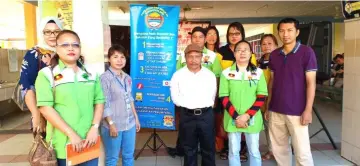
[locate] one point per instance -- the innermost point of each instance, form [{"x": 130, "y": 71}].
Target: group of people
[
  {"x": 276, "y": 93},
  {"x": 70, "y": 103}
]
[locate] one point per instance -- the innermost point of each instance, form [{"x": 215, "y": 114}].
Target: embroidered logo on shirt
[
  {"x": 206, "y": 59},
  {"x": 232, "y": 75},
  {"x": 85, "y": 76},
  {"x": 58, "y": 77}
]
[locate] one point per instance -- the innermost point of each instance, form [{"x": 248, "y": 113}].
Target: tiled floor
[{"x": 14, "y": 147}]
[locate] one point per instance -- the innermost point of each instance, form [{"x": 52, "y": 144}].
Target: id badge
[{"x": 251, "y": 122}]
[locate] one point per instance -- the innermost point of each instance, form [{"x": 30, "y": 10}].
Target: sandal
[
  {"x": 243, "y": 157},
  {"x": 224, "y": 155},
  {"x": 267, "y": 156}
]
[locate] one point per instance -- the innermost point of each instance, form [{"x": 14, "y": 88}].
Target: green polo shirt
[
  {"x": 242, "y": 88},
  {"x": 75, "y": 97},
  {"x": 210, "y": 60}
]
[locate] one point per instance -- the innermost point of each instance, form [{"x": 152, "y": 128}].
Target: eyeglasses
[
  {"x": 235, "y": 34},
  {"x": 211, "y": 34},
  {"x": 244, "y": 51},
  {"x": 67, "y": 45},
  {"x": 48, "y": 32}
]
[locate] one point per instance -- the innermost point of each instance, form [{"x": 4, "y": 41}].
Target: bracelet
[{"x": 111, "y": 122}]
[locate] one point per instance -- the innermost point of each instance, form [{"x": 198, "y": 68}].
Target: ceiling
[
  {"x": 246, "y": 9},
  {"x": 11, "y": 10}
]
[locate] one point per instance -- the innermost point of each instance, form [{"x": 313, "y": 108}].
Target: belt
[{"x": 197, "y": 111}]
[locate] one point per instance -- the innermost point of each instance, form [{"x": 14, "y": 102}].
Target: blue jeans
[
  {"x": 252, "y": 141},
  {"x": 94, "y": 162},
  {"x": 125, "y": 141}
]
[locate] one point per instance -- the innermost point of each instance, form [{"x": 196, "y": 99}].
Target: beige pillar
[
  {"x": 350, "y": 144},
  {"x": 90, "y": 20}
]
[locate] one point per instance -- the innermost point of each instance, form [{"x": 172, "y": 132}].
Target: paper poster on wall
[
  {"x": 60, "y": 9},
  {"x": 184, "y": 38},
  {"x": 13, "y": 60}
]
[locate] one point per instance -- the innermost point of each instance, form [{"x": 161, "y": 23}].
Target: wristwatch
[
  {"x": 111, "y": 122},
  {"x": 95, "y": 125}
]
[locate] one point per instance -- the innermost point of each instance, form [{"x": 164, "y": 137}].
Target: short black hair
[
  {"x": 339, "y": 56},
  {"x": 289, "y": 20},
  {"x": 117, "y": 48},
  {"x": 51, "y": 21},
  {"x": 237, "y": 26}
]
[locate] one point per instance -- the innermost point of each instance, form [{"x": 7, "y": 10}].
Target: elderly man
[
  {"x": 210, "y": 60},
  {"x": 193, "y": 89}
]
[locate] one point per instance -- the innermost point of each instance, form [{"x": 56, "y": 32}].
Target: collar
[
  {"x": 234, "y": 67},
  {"x": 113, "y": 71},
  {"x": 295, "y": 49},
  {"x": 201, "y": 69},
  {"x": 205, "y": 50},
  {"x": 61, "y": 65}
]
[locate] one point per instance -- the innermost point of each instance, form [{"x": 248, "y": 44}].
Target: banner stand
[
  {"x": 154, "y": 148},
  {"x": 154, "y": 36}
]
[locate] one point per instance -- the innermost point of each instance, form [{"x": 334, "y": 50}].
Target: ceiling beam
[{"x": 266, "y": 20}]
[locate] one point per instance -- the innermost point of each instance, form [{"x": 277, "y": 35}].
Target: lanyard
[{"x": 122, "y": 86}]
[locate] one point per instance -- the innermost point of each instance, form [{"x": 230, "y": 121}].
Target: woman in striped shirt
[{"x": 120, "y": 122}]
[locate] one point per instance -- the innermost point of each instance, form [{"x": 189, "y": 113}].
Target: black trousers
[{"x": 195, "y": 129}]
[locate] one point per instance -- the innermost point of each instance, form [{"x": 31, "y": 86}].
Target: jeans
[
  {"x": 124, "y": 142},
  {"x": 252, "y": 141},
  {"x": 94, "y": 162}
]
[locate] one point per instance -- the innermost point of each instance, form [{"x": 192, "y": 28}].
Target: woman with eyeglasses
[
  {"x": 243, "y": 91},
  {"x": 34, "y": 60},
  {"x": 70, "y": 98},
  {"x": 234, "y": 34},
  {"x": 268, "y": 44}
]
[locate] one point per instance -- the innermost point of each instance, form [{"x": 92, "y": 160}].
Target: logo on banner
[
  {"x": 168, "y": 120},
  {"x": 166, "y": 83},
  {"x": 154, "y": 17},
  {"x": 140, "y": 86}
]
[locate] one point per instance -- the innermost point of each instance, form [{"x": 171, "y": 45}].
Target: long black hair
[
  {"x": 251, "y": 67},
  {"x": 237, "y": 26},
  {"x": 217, "y": 43}
]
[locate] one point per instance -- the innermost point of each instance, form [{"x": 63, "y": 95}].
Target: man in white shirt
[{"x": 193, "y": 89}]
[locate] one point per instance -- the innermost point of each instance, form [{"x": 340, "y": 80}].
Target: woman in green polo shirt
[
  {"x": 243, "y": 90},
  {"x": 70, "y": 98}
]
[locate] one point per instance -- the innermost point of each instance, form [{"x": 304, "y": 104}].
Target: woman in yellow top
[
  {"x": 70, "y": 98},
  {"x": 235, "y": 33},
  {"x": 268, "y": 44},
  {"x": 212, "y": 43}
]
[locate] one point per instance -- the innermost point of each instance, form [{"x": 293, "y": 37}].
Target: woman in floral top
[{"x": 34, "y": 60}]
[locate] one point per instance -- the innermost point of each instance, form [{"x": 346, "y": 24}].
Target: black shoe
[
  {"x": 171, "y": 151},
  {"x": 180, "y": 153}
]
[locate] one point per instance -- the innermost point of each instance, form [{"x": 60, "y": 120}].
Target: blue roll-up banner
[{"x": 154, "y": 30}]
